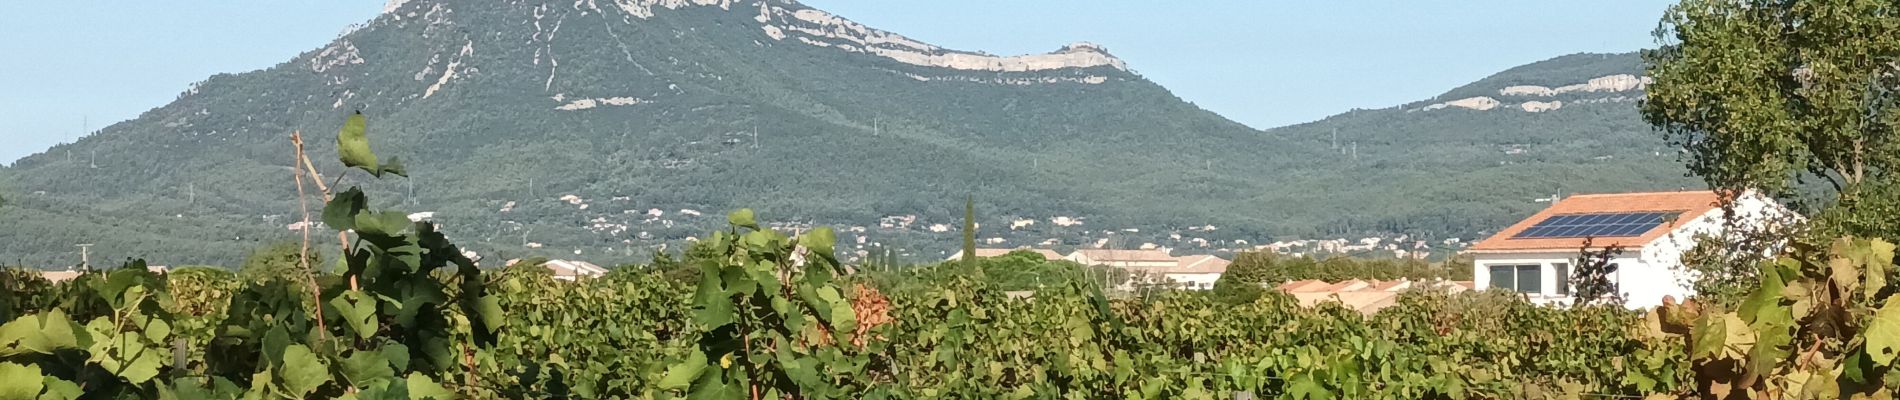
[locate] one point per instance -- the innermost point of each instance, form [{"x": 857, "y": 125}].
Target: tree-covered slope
[{"x": 557, "y": 128}]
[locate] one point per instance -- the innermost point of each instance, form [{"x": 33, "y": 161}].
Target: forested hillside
[{"x": 600, "y": 131}]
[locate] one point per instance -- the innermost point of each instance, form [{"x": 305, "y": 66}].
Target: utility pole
[
  {"x": 1335, "y": 138},
  {"x": 95, "y": 159},
  {"x": 192, "y": 190},
  {"x": 1355, "y": 150},
  {"x": 85, "y": 256},
  {"x": 875, "y": 130},
  {"x": 755, "y": 137}
]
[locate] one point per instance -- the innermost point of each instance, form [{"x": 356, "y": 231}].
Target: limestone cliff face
[{"x": 1610, "y": 88}]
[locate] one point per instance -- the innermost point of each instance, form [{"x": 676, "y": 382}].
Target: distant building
[
  {"x": 572, "y": 270},
  {"x": 1156, "y": 266},
  {"x": 1364, "y": 296},
  {"x": 67, "y": 275},
  {"x": 1047, "y": 254},
  {"x": 1535, "y": 255}
]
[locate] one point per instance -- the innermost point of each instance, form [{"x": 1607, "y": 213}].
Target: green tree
[
  {"x": 1795, "y": 99},
  {"x": 275, "y": 261}
]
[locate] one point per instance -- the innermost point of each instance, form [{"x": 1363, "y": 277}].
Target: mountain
[
  {"x": 600, "y": 129},
  {"x": 1478, "y": 157}
]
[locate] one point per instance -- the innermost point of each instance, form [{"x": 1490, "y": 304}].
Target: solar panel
[{"x": 1624, "y": 224}]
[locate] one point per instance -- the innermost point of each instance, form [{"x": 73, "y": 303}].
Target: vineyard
[
  {"x": 765, "y": 324},
  {"x": 760, "y": 314}
]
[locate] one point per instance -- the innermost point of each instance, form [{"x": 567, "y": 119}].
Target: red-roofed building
[
  {"x": 1156, "y": 266},
  {"x": 1364, "y": 296},
  {"x": 1534, "y": 256}
]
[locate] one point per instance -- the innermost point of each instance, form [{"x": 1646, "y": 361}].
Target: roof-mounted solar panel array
[{"x": 1623, "y": 224}]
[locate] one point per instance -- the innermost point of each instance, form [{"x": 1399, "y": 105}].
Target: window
[
  {"x": 1563, "y": 278},
  {"x": 1530, "y": 278},
  {"x": 1522, "y": 278},
  {"x": 1502, "y": 277}
]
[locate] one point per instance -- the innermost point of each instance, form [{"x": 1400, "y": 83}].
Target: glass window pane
[
  {"x": 1502, "y": 277},
  {"x": 1562, "y": 272},
  {"x": 1530, "y": 278}
]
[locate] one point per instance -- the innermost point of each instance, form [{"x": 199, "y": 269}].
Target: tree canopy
[{"x": 1794, "y": 99}]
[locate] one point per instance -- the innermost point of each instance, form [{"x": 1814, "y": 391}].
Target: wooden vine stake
[{"x": 301, "y": 165}]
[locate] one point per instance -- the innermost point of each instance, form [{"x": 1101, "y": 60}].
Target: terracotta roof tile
[
  {"x": 1105, "y": 255},
  {"x": 1689, "y": 205},
  {"x": 1203, "y": 264}
]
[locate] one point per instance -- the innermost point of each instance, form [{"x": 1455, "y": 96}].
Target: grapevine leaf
[
  {"x": 489, "y": 310},
  {"x": 714, "y": 308},
  {"x": 352, "y": 144},
  {"x": 743, "y": 218},
  {"x": 1883, "y": 334},
  {"x": 397, "y": 354},
  {"x": 1845, "y": 271},
  {"x": 713, "y": 386},
  {"x": 680, "y": 376},
  {"x": 61, "y": 389},
  {"x": 1764, "y": 298},
  {"x": 1772, "y": 337},
  {"x": 144, "y": 364},
  {"x": 303, "y": 371},
  {"x": 40, "y": 334},
  {"x": 422, "y": 388},
  {"x": 20, "y": 382},
  {"x": 381, "y": 223},
  {"x": 393, "y": 166},
  {"x": 820, "y": 240},
  {"x": 1708, "y": 337},
  {"x": 358, "y": 311},
  {"x": 340, "y": 213},
  {"x": 1877, "y": 267}
]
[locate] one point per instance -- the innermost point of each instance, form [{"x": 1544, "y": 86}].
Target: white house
[
  {"x": 570, "y": 270},
  {"x": 1156, "y": 266},
  {"x": 1535, "y": 255}
]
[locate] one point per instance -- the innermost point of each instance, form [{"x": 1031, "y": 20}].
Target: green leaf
[
  {"x": 397, "y": 354},
  {"x": 489, "y": 310},
  {"x": 358, "y": 311},
  {"x": 1765, "y": 298},
  {"x": 340, "y": 213},
  {"x": 352, "y": 144},
  {"x": 303, "y": 372},
  {"x": 1709, "y": 335},
  {"x": 381, "y": 223},
  {"x": 144, "y": 364},
  {"x": 20, "y": 382},
  {"x": 422, "y": 388},
  {"x": 393, "y": 166},
  {"x": 363, "y": 368},
  {"x": 1883, "y": 334},
  {"x": 714, "y": 386},
  {"x": 61, "y": 389},
  {"x": 39, "y": 334},
  {"x": 819, "y": 240},
  {"x": 681, "y": 376},
  {"x": 1877, "y": 267},
  {"x": 743, "y": 218}
]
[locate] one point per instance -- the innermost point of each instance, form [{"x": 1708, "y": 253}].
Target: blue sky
[{"x": 79, "y": 63}]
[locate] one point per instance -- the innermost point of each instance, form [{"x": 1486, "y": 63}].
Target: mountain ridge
[{"x": 589, "y": 129}]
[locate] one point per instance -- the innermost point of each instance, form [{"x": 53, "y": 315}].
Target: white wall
[
  {"x": 1643, "y": 275},
  {"x": 1195, "y": 281},
  {"x": 1632, "y": 277}
]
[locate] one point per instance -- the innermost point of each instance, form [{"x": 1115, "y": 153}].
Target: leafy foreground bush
[{"x": 938, "y": 332}]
